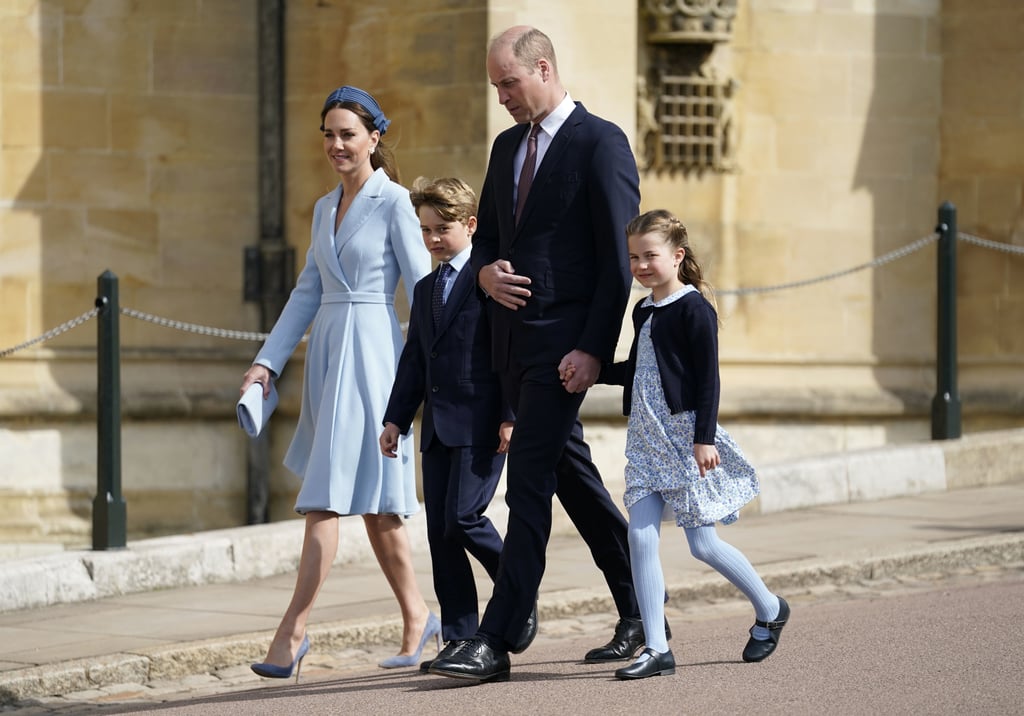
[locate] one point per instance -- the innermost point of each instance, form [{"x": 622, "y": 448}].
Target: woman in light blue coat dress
[{"x": 365, "y": 237}]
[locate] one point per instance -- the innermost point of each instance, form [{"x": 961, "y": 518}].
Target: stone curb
[
  {"x": 242, "y": 553},
  {"x": 946, "y": 558},
  {"x": 236, "y": 554},
  {"x": 180, "y": 660}
]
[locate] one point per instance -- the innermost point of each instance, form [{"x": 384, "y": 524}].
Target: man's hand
[
  {"x": 579, "y": 370},
  {"x": 389, "y": 440},
  {"x": 500, "y": 281}
]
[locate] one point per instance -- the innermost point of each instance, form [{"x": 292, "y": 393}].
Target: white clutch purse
[{"x": 253, "y": 411}]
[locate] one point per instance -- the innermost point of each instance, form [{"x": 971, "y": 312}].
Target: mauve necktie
[
  {"x": 437, "y": 298},
  {"x": 529, "y": 166}
]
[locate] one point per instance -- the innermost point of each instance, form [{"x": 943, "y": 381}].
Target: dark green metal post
[
  {"x": 946, "y": 422},
  {"x": 109, "y": 517}
]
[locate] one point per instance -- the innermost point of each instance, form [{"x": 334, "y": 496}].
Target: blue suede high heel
[
  {"x": 272, "y": 671},
  {"x": 432, "y": 630}
]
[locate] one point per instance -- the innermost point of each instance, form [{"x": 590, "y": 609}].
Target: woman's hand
[{"x": 256, "y": 374}]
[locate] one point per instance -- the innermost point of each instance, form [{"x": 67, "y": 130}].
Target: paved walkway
[{"x": 174, "y": 633}]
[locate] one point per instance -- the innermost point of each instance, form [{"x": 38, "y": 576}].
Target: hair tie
[{"x": 364, "y": 100}]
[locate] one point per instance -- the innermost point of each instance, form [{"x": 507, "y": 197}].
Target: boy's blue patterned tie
[{"x": 437, "y": 299}]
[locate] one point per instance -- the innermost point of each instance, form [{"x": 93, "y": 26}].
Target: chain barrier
[
  {"x": 53, "y": 332},
  {"x": 880, "y": 261},
  {"x": 985, "y": 243},
  {"x": 256, "y": 336},
  {"x": 195, "y": 327}
]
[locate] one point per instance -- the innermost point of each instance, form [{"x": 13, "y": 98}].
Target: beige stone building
[{"x": 796, "y": 139}]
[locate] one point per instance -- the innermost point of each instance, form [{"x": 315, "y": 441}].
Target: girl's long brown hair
[{"x": 660, "y": 221}]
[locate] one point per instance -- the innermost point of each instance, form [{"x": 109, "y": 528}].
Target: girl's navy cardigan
[{"x": 685, "y": 338}]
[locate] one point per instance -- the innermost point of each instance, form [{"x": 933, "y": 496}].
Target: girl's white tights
[{"x": 705, "y": 545}]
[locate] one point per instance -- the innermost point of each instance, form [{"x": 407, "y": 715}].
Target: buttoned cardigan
[{"x": 685, "y": 337}]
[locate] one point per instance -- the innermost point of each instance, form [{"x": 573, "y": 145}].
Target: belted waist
[{"x": 356, "y": 297}]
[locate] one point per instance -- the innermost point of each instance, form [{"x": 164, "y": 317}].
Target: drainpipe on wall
[{"x": 270, "y": 266}]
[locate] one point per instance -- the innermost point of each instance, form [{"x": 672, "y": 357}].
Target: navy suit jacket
[
  {"x": 570, "y": 240},
  {"x": 448, "y": 369}
]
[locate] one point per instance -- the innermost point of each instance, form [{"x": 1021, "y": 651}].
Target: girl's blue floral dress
[{"x": 659, "y": 450}]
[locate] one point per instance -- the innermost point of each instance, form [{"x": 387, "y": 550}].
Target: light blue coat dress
[{"x": 347, "y": 290}]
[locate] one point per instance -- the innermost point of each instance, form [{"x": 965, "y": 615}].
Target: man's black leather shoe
[
  {"x": 757, "y": 650},
  {"x": 474, "y": 660},
  {"x": 528, "y": 634},
  {"x": 628, "y": 638},
  {"x": 656, "y": 665},
  {"x": 445, "y": 652}
]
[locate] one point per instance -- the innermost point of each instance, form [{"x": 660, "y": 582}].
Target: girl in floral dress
[{"x": 679, "y": 461}]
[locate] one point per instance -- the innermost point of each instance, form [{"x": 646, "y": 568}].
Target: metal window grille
[{"x": 691, "y": 114}]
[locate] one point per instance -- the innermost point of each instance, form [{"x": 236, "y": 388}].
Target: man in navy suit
[
  {"x": 465, "y": 427},
  {"x": 550, "y": 252}
]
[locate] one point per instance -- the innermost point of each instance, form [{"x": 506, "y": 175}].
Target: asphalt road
[{"x": 952, "y": 645}]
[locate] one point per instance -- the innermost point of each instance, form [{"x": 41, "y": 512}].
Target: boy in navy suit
[{"x": 466, "y": 425}]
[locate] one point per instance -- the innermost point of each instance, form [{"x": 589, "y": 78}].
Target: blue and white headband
[{"x": 364, "y": 100}]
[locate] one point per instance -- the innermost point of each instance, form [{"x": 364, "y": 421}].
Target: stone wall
[
  {"x": 854, "y": 120},
  {"x": 982, "y": 172},
  {"x": 836, "y": 163},
  {"x": 128, "y": 141},
  {"x": 127, "y": 144}
]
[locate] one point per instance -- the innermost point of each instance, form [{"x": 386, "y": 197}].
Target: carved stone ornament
[
  {"x": 705, "y": 21},
  {"x": 686, "y": 124},
  {"x": 684, "y": 104}
]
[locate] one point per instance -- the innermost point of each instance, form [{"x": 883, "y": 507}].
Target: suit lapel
[
  {"x": 367, "y": 201},
  {"x": 560, "y": 143},
  {"x": 461, "y": 289}
]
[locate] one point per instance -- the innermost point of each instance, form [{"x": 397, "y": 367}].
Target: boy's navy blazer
[
  {"x": 448, "y": 369},
  {"x": 570, "y": 240}
]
